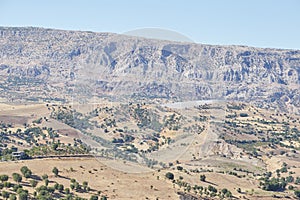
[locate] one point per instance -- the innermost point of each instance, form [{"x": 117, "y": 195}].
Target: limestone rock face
[{"x": 39, "y": 63}]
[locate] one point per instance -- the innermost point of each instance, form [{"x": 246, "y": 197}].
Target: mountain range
[{"x": 46, "y": 64}]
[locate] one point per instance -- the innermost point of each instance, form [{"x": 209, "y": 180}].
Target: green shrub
[
  {"x": 170, "y": 175},
  {"x": 297, "y": 193},
  {"x": 3, "y": 178},
  {"x": 244, "y": 115},
  {"x": 202, "y": 178}
]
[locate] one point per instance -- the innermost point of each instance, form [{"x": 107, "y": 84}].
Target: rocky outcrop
[{"x": 85, "y": 63}]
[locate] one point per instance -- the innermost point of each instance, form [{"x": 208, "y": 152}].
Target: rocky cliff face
[{"x": 37, "y": 63}]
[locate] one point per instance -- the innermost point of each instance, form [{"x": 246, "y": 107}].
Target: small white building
[{"x": 18, "y": 155}]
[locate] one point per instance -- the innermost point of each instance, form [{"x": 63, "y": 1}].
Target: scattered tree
[
  {"x": 85, "y": 185},
  {"x": 12, "y": 197},
  {"x": 224, "y": 191},
  {"x": 60, "y": 187},
  {"x": 212, "y": 189},
  {"x": 94, "y": 197},
  {"x": 7, "y": 184},
  {"x": 33, "y": 183},
  {"x": 73, "y": 180},
  {"x": 23, "y": 195},
  {"x": 26, "y": 171},
  {"x": 55, "y": 171},
  {"x": 228, "y": 194},
  {"x": 297, "y": 193},
  {"x": 170, "y": 175},
  {"x": 45, "y": 176},
  {"x": 5, "y": 194},
  {"x": 55, "y": 146},
  {"x": 67, "y": 190},
  {"x": 17, "y": 177},
  {"x": 103, "y": 198},
  {"x": 46, "y": 182},
  {"x": 56, "y": 186},
  {"x": 3, "y": 178},
  {"x": 77, "y": 186},
  {"x": 202, "y": 178}
]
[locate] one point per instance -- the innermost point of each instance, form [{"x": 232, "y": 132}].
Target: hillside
[
  {"x": 66, "y": 65},
  {"x": 103, "y": 115},
  {"x": 253, "y": 153}
]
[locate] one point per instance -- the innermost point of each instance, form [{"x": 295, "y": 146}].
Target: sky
[{"x": 259, "y": 23}]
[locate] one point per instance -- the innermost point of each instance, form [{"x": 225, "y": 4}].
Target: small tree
[
  {"x": 55, "y": 171},
  {"x": 202, "y": 178},
  {"x": 28, "y": 174},
  {"x": 51, "y": 190},
  {"x": 23, "y": 195},
  {"x": 170, "y": 175},
  {"x": 103, "y": 198},
  {"x": 45, "y": 176},
  {"x": 26, "y": 171},
  {"x": 33, "y": 183},
  {"x": 46, "y": 182},
  {"x": 3, "y": 178},
  {"x": 290, "y": 179},
  {"x": 67, "y": 190},
  {"x": 224, "y": 191},
  {"x": 55, "y": 146},
  {"x": 60, "y": 187},
  {"x": 212, "y": 189},
  {"x": 17, "y": 187},
  {"x": 297, "y": 193},
  {"x": 77, "y": 186},
  {"x": 73, "y": 180},
  {"x": 228, "y": 194},
  {"x": 5, "y": 194},
  {"x": 56, "y": 186},
  {"x": 69, "y": 197},
  {"x": 7, "y": 184},
  {"x": 94, "y": 197},
  {"x": 12, "y": 197},
  {"x": 17, "y": 177},
  {"x": 85, "y": 185}
]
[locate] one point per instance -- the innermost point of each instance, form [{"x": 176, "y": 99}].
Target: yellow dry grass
[{"x": 111, "y": 182}]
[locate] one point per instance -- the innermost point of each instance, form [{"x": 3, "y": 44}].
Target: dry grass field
[
  {"x": 235, "y": 154},
  {"x": 113, "y": 183}
]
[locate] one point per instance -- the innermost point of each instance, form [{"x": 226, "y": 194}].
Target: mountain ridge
[
  {"x": 2, "y": 28},
  {"x": 61, "y": 60}
]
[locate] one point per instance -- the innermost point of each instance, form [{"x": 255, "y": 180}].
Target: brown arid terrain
[
  {"x": 88, "y": 115},
  {"x": 238, "y": 154},
  {"x": 111, "y": 183}
]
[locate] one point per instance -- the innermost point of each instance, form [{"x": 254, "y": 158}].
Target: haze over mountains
[{"x": 38, "y": 63}]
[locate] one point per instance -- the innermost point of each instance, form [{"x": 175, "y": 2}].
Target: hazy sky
[{"x": 261, "y": 23}]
